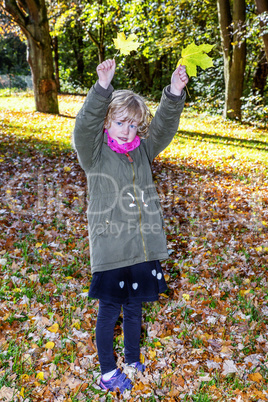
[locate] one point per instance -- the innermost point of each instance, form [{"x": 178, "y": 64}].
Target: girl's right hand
[{"x": 105, "y": 72}]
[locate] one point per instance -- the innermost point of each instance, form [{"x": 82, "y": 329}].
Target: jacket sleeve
[
  {"x": 88, "y": 131},
  {"x": 165, "y": 122}
]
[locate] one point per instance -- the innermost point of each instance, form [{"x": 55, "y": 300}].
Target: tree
[
  {"x": 13, "y": 55},
  {"x": 82, "y": 28},
  {"x": 232, "y": 25},
  {"x": 31, "y": 16},
  {"x": 260, "y": 76},
  {"x": 262, "y": 9}
]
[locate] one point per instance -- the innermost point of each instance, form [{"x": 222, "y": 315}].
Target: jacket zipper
[{"x": 134, "y": 188}]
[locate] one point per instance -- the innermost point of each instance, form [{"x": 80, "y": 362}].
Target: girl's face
[{"x": 121, "y": 129}]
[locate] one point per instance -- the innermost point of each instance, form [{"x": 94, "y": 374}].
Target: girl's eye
[
  {"x": 119, "y": 123},
  {"x": 132, "y": 126}
]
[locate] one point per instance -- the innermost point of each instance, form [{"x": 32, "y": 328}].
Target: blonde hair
[{"x": 127, "y": 101}]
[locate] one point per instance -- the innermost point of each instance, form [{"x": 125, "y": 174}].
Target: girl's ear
[{"x": 106, "y": 123}]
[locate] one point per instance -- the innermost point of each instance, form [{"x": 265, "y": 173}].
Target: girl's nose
[{"x": 125, "y": 128}]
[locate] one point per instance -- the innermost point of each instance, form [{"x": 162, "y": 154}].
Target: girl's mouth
[{"x": 124, "y": 139}]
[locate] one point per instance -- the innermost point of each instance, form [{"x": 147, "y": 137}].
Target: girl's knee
[{"x": 132, "y": 312}]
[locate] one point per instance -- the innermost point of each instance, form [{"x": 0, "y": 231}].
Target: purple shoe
[
  {"x": 139, "y": 366},
  {"x": 117, "y": 381}
]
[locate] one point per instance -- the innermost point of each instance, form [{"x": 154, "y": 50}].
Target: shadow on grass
[
  {"x": 25, "y": 144},
  {"x": 227, "y": 141},
  {"x": 69, "y": 116},
  {"x": 13, "y": 144}
]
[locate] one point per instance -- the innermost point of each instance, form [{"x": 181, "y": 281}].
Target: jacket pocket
[
  {"x": 103, "y": 226},
  {"x": 99, "y": 218}
]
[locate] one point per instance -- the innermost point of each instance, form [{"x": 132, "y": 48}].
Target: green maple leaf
[{"x": 194, "y": 55}]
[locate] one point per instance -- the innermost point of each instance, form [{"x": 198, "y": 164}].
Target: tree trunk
[
  {"x": 262, "y": 7},
  {"x": 56, "y": 61},
  {"x": 45, "y": 88},
  {"x": 234, "y": 54},
  {"x": 141, "y": 69},
  {"x": 260, "y": 76},
  {"x": 78, "y": 49},
  {"x": 31, "y": 16}
]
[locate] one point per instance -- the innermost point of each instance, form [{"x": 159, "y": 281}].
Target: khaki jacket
[{"x": 125, "y": 220}]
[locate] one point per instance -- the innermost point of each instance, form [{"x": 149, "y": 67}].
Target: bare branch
[{"x": 94, "y": 40}]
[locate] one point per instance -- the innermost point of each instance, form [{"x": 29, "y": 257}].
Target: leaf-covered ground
[{"x": 207, "y": 338}]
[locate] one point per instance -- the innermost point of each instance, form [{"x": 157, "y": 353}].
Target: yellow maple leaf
[
  {"x": 167, "y": 277},
  {"x": 76, "y": 325},
  {"x": 186, "y": 296},
  {"x": 126, "y": 45},
  {"x": 164, "y": 295},
  {"x": 22, "y": 392},
  {"x": 244, "y": 292},
  {"x": 40, "y": 376},
  {"x": 157, "y": 344},
  {"x": 49, "y": 345},
  {"x": 151, "y": 354},
  {"x": 54, "y": 328},
  {"x": 24, "y": 377},
  {"x": 59, "y": 254}
]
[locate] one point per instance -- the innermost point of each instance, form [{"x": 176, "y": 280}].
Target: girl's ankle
[
  {"x": 108, "y": 376},
  {"x": 138, "y": 366}
]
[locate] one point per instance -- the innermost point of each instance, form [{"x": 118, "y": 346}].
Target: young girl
[{"x": 116, "y": 140}]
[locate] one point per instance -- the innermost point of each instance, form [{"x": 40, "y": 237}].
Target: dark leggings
[{"x": 107, "y": 317}]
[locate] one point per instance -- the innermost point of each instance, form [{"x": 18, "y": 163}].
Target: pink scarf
[{"x": 122, "y": 148}]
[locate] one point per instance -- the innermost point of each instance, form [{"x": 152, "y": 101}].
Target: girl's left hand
[{"x": 179, "y": 80}]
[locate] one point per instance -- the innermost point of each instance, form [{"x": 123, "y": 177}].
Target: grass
[
  {"x": 212, "y": 181},
  {"x": 46, "y": 133}
]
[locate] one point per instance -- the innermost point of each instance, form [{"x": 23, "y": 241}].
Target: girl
[{"x": 116, "y": 140}]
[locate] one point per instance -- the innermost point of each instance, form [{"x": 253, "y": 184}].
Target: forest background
[{"x": 80, "y": 35}]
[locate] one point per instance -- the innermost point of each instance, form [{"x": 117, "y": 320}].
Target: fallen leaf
[
  {"x": 54, "y": 328},
  {"x": 49, "y": 345},
  {"x": 257, "y": 377},
  {"x": 186, "y": 296},
  {"x": 151, "y": 354},
  {"x": 178, "y": 380},
  {"x": 40, "y": 376},
  {"x": 7, "y": 394},
  {"x": 229, "y": 367}
]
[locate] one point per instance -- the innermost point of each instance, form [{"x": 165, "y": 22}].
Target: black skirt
[{"x": 140, "y": 282}]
